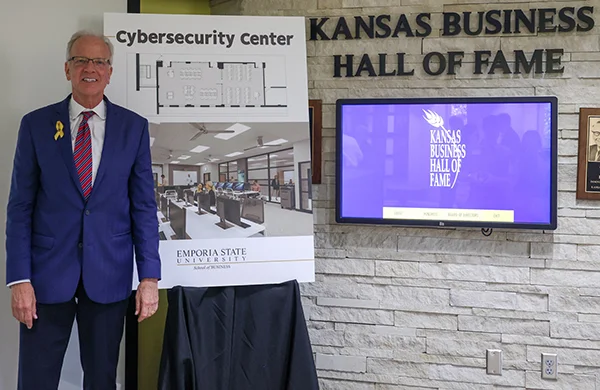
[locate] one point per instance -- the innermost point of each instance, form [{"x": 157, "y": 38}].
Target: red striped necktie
[{"x": 83, "y": 154}]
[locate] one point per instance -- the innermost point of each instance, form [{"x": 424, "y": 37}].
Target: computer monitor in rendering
[
  {"x": 204, "y": 203},
  {"x": 238, "y": 186},
  {"x": 253, "y": 210},
  {"x": 228, "y": 186},
  {"x": 219, "y": 185},
  {"x": 188, "y": 197},
  {"x": 164, "y": 207},
  {"x": 233, "y": 212},
  {"x": 221, "y": 212},
  {"x": 178, "y": 221}
]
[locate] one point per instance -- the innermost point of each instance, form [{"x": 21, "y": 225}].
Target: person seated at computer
[
  {"x": 211, "y": 193},
  {"x": 255, "y": 190},
  {"x": 197, "y": 190}
]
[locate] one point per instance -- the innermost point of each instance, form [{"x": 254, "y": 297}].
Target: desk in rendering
[{"x": 177, "y": 224}]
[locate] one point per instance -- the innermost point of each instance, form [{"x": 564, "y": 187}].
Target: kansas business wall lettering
[{"x": 483, "y": 23}]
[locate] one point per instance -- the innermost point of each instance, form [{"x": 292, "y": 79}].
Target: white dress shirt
[{"x": 97, "y": 125}]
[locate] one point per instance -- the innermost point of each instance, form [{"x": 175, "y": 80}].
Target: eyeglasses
[{"x": 83, "y": 61}]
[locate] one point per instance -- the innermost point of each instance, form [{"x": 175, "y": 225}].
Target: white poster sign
[{"x": 228, "y": 93}]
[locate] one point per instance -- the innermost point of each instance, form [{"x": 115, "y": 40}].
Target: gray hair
[{"x": 85, "y": 33}]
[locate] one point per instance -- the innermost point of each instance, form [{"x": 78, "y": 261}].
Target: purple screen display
[{"x": 473, "y": 156}]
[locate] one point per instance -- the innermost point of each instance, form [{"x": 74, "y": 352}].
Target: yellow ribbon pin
[{"x": 59, "y": 130}]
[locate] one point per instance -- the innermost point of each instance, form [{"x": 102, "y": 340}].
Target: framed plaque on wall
[
  {"x": 315, "y": 121},
  {"x": 588, "y": 162}
]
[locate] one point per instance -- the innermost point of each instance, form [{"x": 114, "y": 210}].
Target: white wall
[
  {"x": 301, "y": 154},
  {"x": 213, "y": 169},
  {"x": 158, "y": 169},
  {"x": 166, "y": 172},
  {"x": 31, "y": 59}
]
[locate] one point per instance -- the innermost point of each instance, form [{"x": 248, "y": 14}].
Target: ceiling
[{"x": 170, "y": 141}]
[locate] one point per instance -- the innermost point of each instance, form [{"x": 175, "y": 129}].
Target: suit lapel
[
  {"x": 65, "y": 143},
  {"x": 111, "y": 132}
]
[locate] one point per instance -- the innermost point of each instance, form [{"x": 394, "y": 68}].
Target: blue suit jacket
[{"x": 54, "y": 237}]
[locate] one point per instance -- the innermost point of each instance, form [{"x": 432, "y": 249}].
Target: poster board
[{"x": 217, "y": 89}]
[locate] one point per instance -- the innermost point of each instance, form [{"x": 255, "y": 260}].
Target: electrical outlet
[
  {"x": 494, "y": 362},
  {"x": 549, "y": 366}
]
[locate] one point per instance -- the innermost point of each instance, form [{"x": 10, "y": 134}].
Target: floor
[{"x": 282, "y": 222}]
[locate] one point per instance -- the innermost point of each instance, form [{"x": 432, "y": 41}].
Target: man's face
[
  {"x": 89, "y": 79},
  {"x": 596, "y": 137}
]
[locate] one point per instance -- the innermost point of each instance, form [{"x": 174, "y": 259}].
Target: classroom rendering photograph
[
  {"x": 218, "y": 180},
  {"x": 300, "y": 195}
]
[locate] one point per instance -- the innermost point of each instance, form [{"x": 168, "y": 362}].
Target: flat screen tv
[{"x": 471, "y": 162}]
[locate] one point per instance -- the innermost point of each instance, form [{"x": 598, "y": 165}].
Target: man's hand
[
  {"x": 146, "y": 299},
  {"x": 23, "y": 303}
]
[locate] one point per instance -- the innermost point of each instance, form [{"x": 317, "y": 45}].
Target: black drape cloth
[{"x": 237, "y": 338}]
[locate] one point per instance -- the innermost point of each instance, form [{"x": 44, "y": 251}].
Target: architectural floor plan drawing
[
  {"x": 210, "y": 84},
  {"x": 186, "y": 87}
]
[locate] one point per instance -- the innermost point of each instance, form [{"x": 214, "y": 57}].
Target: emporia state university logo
[{"x": 446, "y": 152}]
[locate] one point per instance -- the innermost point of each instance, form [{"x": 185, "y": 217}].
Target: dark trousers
[{"x": 42, "y": 348}]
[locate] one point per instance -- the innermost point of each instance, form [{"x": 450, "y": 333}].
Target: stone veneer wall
[{"x": 399, "y": 308}]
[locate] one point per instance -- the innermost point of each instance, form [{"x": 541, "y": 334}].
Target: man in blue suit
[{"x": 81, "y": 205}]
